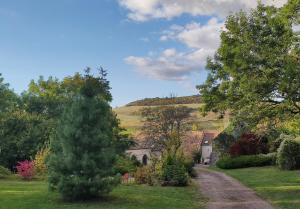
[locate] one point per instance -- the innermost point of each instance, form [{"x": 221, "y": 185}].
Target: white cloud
[
  {"x": 202, "y": 40},
  {"x": 143, "y": 10},
  {"x": 195, "y": 35},
  {"x": 170, "y": 64}
]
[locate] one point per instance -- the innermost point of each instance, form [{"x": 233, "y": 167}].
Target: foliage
[
  {"x": 141, "y": 175},
  {"x": 84, "y": 146},
  {"x": 4, "y": 172},
  {"x": 288, "y": 157},
  {"x": 174, "y": 172},
  {"x": 125, "y": 165},
  {"x": 244, "y": 75},
  {"x": 223, "y": 142},
  {"x": 196, "y": 99},
  {"x": 174, "y": 168},
  {"x": 26, "y": 169},
  {"x": 22, "y": 135},
  {"x": 246, "y": 161},
  {"x": 40, "y": 161},
  {"x": 197, "y": 154},
  {"x": 163, "y": 124},
  {"x": 249, "y": 144},
  {"x": 292, "y": 126},
  {"x": 8, "y": 99},
  {"x": 276, "y": 144}
]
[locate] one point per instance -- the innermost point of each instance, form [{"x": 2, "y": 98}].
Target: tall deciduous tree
[
  {"x": 166, "y": 124},
  {"x": 85, "y": 145},
  {"x": 256, "y": 71}
]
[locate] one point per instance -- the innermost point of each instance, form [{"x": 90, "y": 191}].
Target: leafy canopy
[{"x": 255, "y": 74}]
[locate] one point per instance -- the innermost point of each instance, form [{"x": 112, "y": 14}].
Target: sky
[{"x": 150, "y": 48}]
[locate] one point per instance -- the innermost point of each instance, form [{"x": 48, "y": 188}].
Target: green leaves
[{"x": 255, "y": 73}]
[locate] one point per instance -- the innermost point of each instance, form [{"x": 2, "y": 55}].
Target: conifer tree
[{"x": 84, "y": 147}]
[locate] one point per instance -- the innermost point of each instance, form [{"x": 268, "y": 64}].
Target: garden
[{"x": 62, "y": 145}]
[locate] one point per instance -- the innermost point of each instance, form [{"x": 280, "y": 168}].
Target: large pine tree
[{"x": 84, "y": 146}]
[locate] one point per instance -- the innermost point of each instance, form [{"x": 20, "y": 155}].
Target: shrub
[
  {"x": 173, "y": 171},
  {"x": 4, "y": 172},
  {"x": 125, "y": 165},
  {"x": 189, "y": 167},
  {"x": 249, "y": 144},
  {"x": 141, "y": 175},
  {"x": 26, "y": 169},
  {"x": 174, "y": 175},
  {"x": 247, "y": 161},
  {"x": 39, "y": 161},
  {"x": 276, "y": 144},
  {"x": 288, "y": 156}
]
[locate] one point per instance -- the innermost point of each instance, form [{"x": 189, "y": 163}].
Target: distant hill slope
[
  {"x": 131, "y": 119},
  {"x": 195, "y": 99}
]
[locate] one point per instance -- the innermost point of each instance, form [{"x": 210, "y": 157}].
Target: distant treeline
[{"x": 195, "y": 99}]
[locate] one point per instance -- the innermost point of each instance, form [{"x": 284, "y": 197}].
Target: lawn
[
  {"x": 17, "y": 194},
  {"x": 281, "y": 188}
]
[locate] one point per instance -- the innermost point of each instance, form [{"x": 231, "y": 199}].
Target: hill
[
  {"x": 131, "y": 119},
  {"x": 195, "y": 99}
]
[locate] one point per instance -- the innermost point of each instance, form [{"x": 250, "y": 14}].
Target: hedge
[
  {"x": 288, "y": 156},
  {"x": 246, "y": 161}
]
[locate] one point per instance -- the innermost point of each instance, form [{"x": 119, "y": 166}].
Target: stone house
[{"x": 143, "y": 151}]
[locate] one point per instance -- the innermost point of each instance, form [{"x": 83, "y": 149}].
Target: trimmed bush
[
  {"x": 288, "y": 157},
  {"x": 246, "y": 161},
  {"x": 276, "y": 144},
  {"x": 4, "y": 172}
]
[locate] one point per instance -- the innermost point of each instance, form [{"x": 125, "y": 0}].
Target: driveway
[{"x": 224, "y": 192}]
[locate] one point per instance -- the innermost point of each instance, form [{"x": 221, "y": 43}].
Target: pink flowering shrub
[{"x": 26, "y": 169}]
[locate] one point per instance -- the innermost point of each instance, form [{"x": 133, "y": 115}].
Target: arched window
[{"x": 145, "y": 160}]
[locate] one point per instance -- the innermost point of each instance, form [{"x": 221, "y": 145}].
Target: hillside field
[{"x": 132, "y": 121}]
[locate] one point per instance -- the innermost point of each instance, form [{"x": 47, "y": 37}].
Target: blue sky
[{"x": 150, "y": 48}]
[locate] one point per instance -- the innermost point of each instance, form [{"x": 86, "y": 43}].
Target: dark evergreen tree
[{"x": 85, "y": 145}]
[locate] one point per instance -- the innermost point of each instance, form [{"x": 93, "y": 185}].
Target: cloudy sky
[{"x": 149, "y": 47}]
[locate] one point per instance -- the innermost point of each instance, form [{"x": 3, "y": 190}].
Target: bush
[
  {"x": 39, "y": 161},
  {"x": 174, "y": 171},
  {"x": 246, "y": 161},
  {"x": 174, "y": 175},
  {"x": 141, "y": 175},
  {"x": 276, "y": 144},
  {"x": 125, "y": 165},
  {"x": 26, "y": 169},
  {"x": 249, "y": 144},
  {"x": 288, "y": 156},
  {"x": 4, "y": 172}
]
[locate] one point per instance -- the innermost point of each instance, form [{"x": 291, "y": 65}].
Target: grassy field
[
  {"x": 131, "y": 119},
  {"x": 17, "y": 194},
  {"x": 281, "y": 188}
]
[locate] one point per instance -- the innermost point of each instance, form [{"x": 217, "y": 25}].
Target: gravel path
[{"x": 224, "y": 192}]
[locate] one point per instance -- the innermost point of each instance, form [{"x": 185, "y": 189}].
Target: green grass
[
  {"x": 281, "y": 188},
  {"x": 17, "y": 194}
]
